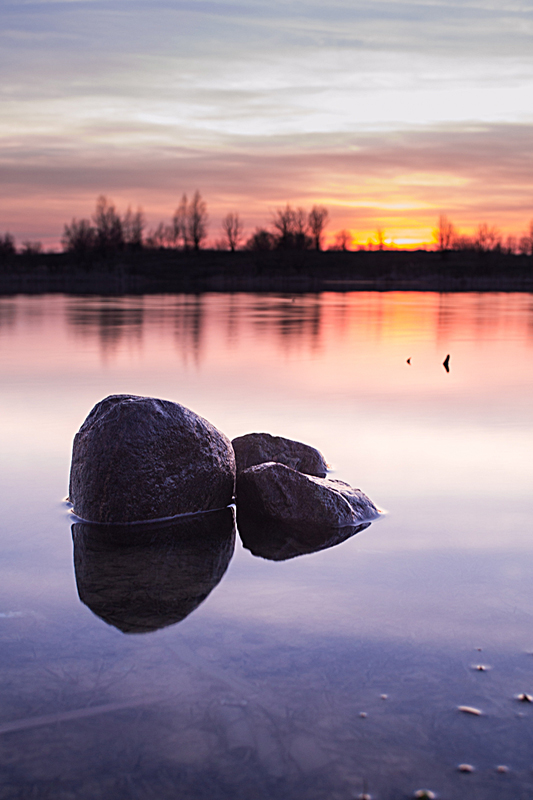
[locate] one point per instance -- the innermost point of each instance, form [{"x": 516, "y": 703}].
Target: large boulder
[
  {"x": 303, "y": 501},
  {"x": 137, "y": 458},
  {"x": 260, "y": 448},
  {"x": 143, "y": 577}
]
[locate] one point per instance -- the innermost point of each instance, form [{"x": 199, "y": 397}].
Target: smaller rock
[
  {"x": 260, "y": 448},
  {"x": 287, "y": 496}
]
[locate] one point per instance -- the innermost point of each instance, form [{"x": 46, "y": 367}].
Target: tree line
[
  {"x": 486, "y": 239},
  {"x": 107, "y": 233}
]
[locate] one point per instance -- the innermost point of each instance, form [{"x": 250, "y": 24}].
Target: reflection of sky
[
  {"x": 281, "y": 658},
  {"x": 386, "y": 111}
]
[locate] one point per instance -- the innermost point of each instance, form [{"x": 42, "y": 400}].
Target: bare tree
[
  {"x": 159, "y": 237},
  {"x": 301, "y": 221},
  {"x": 291, "y": 225},
  {"x": 109, "y": 233},
  {"x": 463, "y": 242},
  {"x": 283, "y": 222},
  {"x": 487, "y": 238},
  {"x": 261, "y": 240},
  {"x": 343, "y": 240},
  {"x": 179, "y": 221},
  {"x": 444, "y": 234},
  {"x": 190, "y": 222},
  {"x": 79, "y": 238},
  {"x": 380, "y": 239},
  {"x": 318, "y": 217},
  {"x": 133, "y": 226},
  {"x": 511, "y": 245},
  {"x": 232, "y": 228},
  {"x": 31, "y": 248},
  {"x": 197, "y": 220},
  {"x": 525, "y": 244},
  {"x": 7, "y": 246}
]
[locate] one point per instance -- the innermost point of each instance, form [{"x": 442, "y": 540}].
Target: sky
[{"x": 387, "y": 112}]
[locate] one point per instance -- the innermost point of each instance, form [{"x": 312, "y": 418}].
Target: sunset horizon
[{"x": 389, "y": 114}]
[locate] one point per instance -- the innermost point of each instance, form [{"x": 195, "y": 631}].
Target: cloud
[
  {"x": 395, "y": 107},
  {"x": 401, "y": 179}
]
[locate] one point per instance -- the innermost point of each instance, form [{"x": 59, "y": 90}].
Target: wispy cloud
[{"x": 405, "y": 106}]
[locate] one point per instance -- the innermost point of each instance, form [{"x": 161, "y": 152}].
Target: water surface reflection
[
  {"x": 259, "y": 692},
  {"x": 140, "y": 578}
]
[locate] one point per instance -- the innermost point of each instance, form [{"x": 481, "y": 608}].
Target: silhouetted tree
[
  {"x": 318, "y": 217},
  {"x": 444, "y": 234},
  {"x": 511, "y": 245},
  {"x": 79, "y": 238},
  {"x": 162, "y": 236},
  {"x": 487, "y": 238},
  {"x": 291, "y": 225},
  {"x": 31, "y": 248},
  {"x": 380, "y": 238},
  {"x": 525, "y": 244},
  {"x": 7, "y": 247},
  {"x": 232, "y": 228},
  {"x": 197, "y": 220},
  {"x": 261, "y": 240},
  {"x": 180, "y": 223},
  {"x": 462, "y": 242},
  {"x": 109, "y": 231},
  {"x": 343, "y": 240},
  {"x": 133, "y": 226}
]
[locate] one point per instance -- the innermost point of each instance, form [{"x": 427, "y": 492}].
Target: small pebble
[
  {"x": 502, "y": 769},
  {"x": 363, "y": 714},
  {"x": 478, "y": 649},
  {"x": 466, "y": 768},
  {"x": 384, "y": 696},
  {"x": 365, "y": 796},
  {"x": 471, "y": 710},
  {"x": 425, "y": 794},
  {"x": 524, "y": 698},
  {"x": 481, "y": 667}
]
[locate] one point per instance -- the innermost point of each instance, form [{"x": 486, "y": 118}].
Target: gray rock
[
  {"x": 143, "y": 577},
  {"x": 259, "y": 448},
  {"x": 137, "y": 458},
  {"x": 290, "y": 497}
]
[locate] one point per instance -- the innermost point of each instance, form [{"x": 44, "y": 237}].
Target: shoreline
[{"x": 151, "y": 272}]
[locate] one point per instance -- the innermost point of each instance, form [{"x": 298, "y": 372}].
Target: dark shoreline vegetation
[
  {"x": 111, "y": 254},
  {"x": 166, "y": 270}
]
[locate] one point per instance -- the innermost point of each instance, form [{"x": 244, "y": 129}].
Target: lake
[{"x": 326, "y": 676}]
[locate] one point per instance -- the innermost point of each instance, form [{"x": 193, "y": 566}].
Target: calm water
[{"x": 259, "y": 692}]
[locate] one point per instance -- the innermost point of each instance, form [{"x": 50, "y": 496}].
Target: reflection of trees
[
  {"x": 482, "y": 317},
  {"x": 295, "y": 319},
  {"x": 8, "y": 313},
  {"x": 189, "y": 324},
  {"x": 110, "y": 319}
]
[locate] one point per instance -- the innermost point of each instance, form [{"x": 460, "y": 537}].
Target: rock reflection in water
[
  {"x": 141, "y": 578},
  {"x": 276, "y": 541}
]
